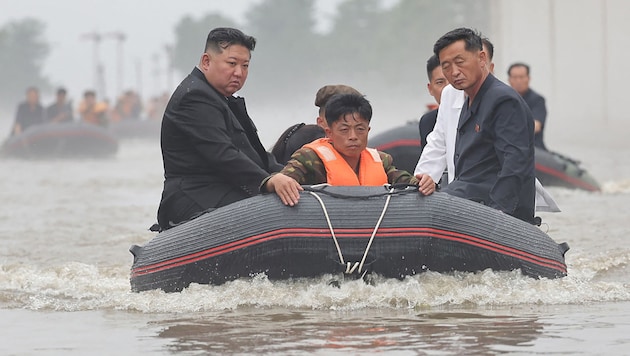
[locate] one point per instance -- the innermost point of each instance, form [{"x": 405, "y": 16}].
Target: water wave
[
  {"x": 619, "y": 186},
  {"x": 77, "y": 286}
]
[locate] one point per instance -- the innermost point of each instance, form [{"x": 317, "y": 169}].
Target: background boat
[
  {"x": 61, "y": 140},
  {"x": 552, "y": 169}
]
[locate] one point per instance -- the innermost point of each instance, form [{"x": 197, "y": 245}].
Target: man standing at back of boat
[
  {"x": 210, "y": 147},
  {"x": 518, "y": 76}
]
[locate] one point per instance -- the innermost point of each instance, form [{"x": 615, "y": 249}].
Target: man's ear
[
  {"x": 483, "y": 59},
  {"x": 328, "y": 131},
  {"x": 320, "y": 122},
  {"x": 204, "y": 62}
]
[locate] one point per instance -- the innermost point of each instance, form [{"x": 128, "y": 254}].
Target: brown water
[{"x": 66, "y": 226}]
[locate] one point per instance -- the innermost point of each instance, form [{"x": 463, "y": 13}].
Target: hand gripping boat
[{"x": 391, "y": 231}]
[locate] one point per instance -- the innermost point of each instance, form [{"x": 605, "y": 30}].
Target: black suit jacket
[
  {"x": 494, "y": 151},
  {"x": 210, "y": 147},
  {"x": 537, "y": 105},
  {"x": 426, "y": 125}
]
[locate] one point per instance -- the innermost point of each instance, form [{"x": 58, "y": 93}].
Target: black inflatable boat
[
  {"x": 552, "y": 169},
  {"x": 137, "y": 129},
  {"x": 61, "y": 140},
  {"x": 344, "y": 230}
]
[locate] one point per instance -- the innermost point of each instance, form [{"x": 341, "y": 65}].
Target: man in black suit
[
  {"x": 437, "y": 82},
  {"x": 518, "y": 77},
  {"x": 210, "y": 147},
  {"x": 494, "y": 148}
]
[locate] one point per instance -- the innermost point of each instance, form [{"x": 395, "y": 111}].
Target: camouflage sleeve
[
  {"x": 305, "y": 167},
  {"x": 395, "y": 175}
]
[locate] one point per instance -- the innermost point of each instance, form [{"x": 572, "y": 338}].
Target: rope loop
[{"x": 356, "y": 266}]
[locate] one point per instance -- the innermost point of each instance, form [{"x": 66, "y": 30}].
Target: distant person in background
[
  {"x": 437, "y": 82},
  {"x": 128, "y": 107},
  {"x": 91, "y": 111},
  {"x": 29, "y": 112},
  {"x": 156, "y": 107},
  {"x": 300, "y": 134},
  {"x": 519, "y": 80},
  {"x": 61, "y": 109}
]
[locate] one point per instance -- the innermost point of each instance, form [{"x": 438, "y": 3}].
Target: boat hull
[
  {"x": 61, "y": 140},
  {"x": 437, "y": 233}
]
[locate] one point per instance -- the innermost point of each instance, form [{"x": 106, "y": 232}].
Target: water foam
[
  {"x": 619, "y": 186},
  {"x": 77, "y": 286}
]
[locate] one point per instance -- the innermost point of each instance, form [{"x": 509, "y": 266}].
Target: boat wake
[
  {"x": 78, "y": 286},
  {"x": 620, "y": 186}
]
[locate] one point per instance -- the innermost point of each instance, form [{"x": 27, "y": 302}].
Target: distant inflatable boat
[
  {"x": 552, "y": 169},
  {"x": 392, "y": 232},
  {"x": 137, "y": 129},
  {"x": 61, "y": 140}
]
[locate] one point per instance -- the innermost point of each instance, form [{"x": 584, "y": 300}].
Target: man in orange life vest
[{"x": 342, "y": 158}]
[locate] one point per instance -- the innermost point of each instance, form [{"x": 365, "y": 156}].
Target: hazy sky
[{"x": 148, "y": 24}]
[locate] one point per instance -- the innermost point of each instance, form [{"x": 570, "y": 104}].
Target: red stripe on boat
[
  {"x": 567, "y": 178},
  {"x": 348, "y": 233}
]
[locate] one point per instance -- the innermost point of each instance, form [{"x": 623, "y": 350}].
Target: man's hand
[
  {"x": 537, "y": 126},
  {"x": 426, "y": 184},
  {"x": 287, "y": 188}
]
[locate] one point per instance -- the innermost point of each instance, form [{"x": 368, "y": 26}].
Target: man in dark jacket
[
  {"x": 29, "y": 112},
  {"x": 518, "y": 77},
  {"x": 210, "y": 147},
  {"x": 494, "y": 148}
]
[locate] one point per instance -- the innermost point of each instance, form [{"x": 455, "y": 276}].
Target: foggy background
[{"x": 576, "y": 49}]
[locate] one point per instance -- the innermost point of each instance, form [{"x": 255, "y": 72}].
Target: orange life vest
[{"x": 339, "y": 172}]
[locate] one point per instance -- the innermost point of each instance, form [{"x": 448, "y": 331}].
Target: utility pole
[
  {"x": 170, "y": 52},
  {"x": 120, "y": 38},
  {"x": 99, "y": 71}
]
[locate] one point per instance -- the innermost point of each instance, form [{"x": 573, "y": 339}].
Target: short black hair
[
  {"x": 518, "y": 64},
  {"x": 432, "y": 63},
  {"x": 486, "y": 43},
  {"x": 221, "y": 38},
  {"x": 340, "y": 105},
  {"x": 471, "y": 37}
]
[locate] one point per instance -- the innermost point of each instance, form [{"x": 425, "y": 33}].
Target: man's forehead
[
  {"x": 351, "y": 118},
  {"x": 457, "y": 48}
]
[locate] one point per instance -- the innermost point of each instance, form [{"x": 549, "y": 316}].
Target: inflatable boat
[
  {"x": 552, "y": 169},
  {"x": 402, "y": 142},
  {"x": 393, "y": 232},
  {"x": 137, "y": 129},
  {"x": 61, "y": 140}
]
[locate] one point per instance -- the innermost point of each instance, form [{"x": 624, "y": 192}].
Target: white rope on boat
[
  {"x": 356, "y": 266},
  {"x": 332, "y": 231},
  {"x": 378, "y": 223}
]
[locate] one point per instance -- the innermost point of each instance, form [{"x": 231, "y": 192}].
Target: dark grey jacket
[{"x": 494, "y": 151}]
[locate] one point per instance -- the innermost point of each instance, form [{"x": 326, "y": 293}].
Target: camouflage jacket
[{"x": 307, "y": 168}]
